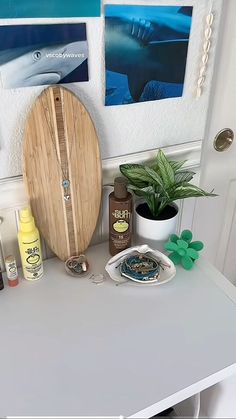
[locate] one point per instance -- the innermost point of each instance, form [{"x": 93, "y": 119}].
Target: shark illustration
[
  {"x": 136, "y": 47},
  {"x": 39, "y": 65}
]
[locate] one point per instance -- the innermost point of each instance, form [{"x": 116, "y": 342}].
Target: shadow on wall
[{"x": 96, "y": 115}]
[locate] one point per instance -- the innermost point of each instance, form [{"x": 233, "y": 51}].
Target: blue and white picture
[
  {"x": 34, "y": 55},
  {"x": 146, "y": 52}
]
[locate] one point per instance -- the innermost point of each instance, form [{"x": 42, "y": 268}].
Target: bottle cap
[
  {"x": 10, "y": 259},
  {"x": 120, "y": 188},
  {"x": 26, "y": 215},
  {"x": 26, "y": 220}
]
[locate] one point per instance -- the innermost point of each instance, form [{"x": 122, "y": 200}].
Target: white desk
[{"x": 70, "y": 347}]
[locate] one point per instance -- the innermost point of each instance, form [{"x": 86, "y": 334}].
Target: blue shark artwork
[
  {"x": 145, "y": 52},
  {"x": 34, "y": 55},
  {"x": 49, "y": 8}
]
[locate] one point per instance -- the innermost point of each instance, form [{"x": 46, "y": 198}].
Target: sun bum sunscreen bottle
[
  {"x": 120, "y": 217},
  {"x": 30, "y": 248}
]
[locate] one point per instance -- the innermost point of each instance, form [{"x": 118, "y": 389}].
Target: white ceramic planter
[{"x": 155, "y": 230}]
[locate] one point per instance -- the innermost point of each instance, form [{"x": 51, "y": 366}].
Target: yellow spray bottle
[{"x": 30, "y": 248}]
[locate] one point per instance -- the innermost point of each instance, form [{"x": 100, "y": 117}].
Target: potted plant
[{"x": 159, "y": 185}]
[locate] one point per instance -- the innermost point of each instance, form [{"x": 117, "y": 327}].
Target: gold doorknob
[{"x": 223, "y": 139}]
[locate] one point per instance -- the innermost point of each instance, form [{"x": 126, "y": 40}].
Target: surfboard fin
[{"x": 141, "y": 30}]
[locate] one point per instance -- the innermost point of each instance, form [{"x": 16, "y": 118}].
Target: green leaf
[
  {"x": 166, "y": 171},
  {"x": 182, "y": 244},
  {"x": 150, "y": 197},
  {"x": 181, "y": 251},
  {"x": 186, "y": 235},
  {"x": 197, "y": 189},
  {"x": 193, "y": 254},
  {"x": 148, "y": 189},
  {"x": 188, "y": 190},
  {"x": 175, "y": 257},
  {"x": 170, "y": 246},
  {"x": 184, "y": 176},
  {"x": 136, "y": 174},
  {"x": 174, "y": 238},
  {"x": 176, "y": 165},
  {"x": 142, "y": 192},
  {"x": 153, "y": 204},
  {"x": 187, "y": 262},
  {"x": 154, "y": 176},
  {"x": 197, "y": 245}
]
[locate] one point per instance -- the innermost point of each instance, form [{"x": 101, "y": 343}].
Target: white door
[{"x": 215, "y": 218}]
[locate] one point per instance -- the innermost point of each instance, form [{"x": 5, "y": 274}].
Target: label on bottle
[
  {"x": 11, "y": 268},
  {"x": 32, "y": 265},
  {"x": 120, "y": 226}
]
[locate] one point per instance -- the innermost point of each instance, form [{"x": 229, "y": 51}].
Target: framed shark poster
[
  {"x": 49, "y": 8},
  {"x": 34, "y": 55},
  {"x": 145, "y": 52}
]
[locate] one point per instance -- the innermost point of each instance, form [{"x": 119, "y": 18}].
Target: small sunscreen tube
[{"x": 11, "y": 270}]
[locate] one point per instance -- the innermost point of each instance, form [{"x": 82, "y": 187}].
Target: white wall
[{"x": 121, "y": 129}]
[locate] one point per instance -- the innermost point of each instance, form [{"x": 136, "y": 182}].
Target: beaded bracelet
[{"x": 140, "y": 267}]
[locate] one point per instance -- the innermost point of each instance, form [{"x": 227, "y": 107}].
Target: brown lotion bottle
[{"x": 120, "y": 217}]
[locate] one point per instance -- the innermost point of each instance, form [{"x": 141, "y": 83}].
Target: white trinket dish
[{"x": 167, "y": 271}]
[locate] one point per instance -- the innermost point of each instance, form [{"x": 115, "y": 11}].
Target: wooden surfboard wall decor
[{"x": 62, "y": 171}]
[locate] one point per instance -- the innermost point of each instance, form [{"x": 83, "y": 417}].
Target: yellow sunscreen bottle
[{"x": 30, "y": 248}]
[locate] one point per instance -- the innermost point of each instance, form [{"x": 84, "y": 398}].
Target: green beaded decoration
[{"x": 184, "y": 250}]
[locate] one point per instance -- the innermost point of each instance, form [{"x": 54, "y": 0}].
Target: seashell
[
  {"x": 209, "y": 19},
  {"x": 208, "y": 33}
]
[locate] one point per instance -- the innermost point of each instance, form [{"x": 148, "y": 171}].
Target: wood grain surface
[{"x": 60, "y": 142}]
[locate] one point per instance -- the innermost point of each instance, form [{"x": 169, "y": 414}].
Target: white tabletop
[{"x": 70, "y": 347}]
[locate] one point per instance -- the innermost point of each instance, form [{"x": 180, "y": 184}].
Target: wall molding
[
  {"x": 188, "y": 151},
  {"x": 13, "y": 192},
  {"x": 14, "y": 196}
]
